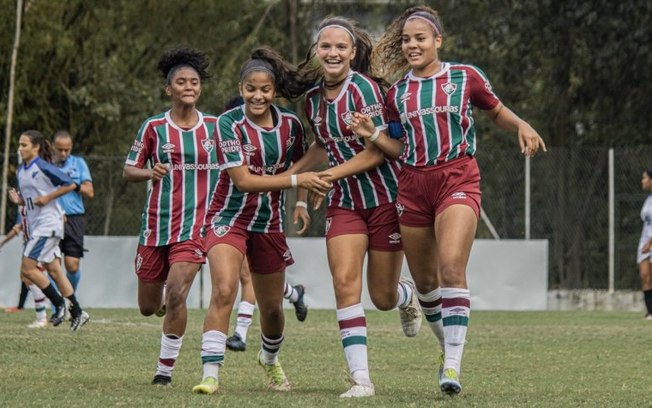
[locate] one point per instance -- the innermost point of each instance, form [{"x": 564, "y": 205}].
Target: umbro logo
[
  {"x": 287, "y": 255},
  {"x": 405, "y": 97},
  {"x": 168, "y": 148},
  {"x": 395, "y": 238},
  {"x": 249, "y": 149},
  {"x": 460, "y": 195},
  {"x": 317, "y": 121}
]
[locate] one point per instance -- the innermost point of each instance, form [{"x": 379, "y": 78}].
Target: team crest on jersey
[
  {"x": 208, "y": 144},
  {"x": 395, "y": 238},
  {"x": 168, "y": 148},
  {"x": 221, "y": 230},
  {"x": 249, "y": 149},
  {"x": 346, "y": 117},
  {"x": 399, "y": 209},
  {"x": 405, "y": 97},
  {"x": 34, "y": 174},
  {"x": 147, "y": 233},
  {"x": 291, "y": 140},
  {"x": 328, "y": 224},
  {"x": 139, "y": 262},
  {"x": 287, "y": 255},
  {"x": 449, "y": 88}
]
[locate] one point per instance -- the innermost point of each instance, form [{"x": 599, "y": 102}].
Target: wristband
[
  {"x": 301, "y": 204},
  {"x": 293, "y": 180},
  {"x": 374, "y": 136}
]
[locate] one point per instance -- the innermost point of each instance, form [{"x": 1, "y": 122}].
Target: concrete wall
[{"x": 502, "y": 275}]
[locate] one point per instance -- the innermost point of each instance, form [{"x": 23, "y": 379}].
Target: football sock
[
  {"x": 431, "y": 306},
  {"x": 170, "y": 346},
  {"x": 353, "y": 332},
  {"x": 74, "y": 278},
  {"x": 456, "y": 308},
  {"x": 23, "y": 295},
  {"x": 290, "y": 293},
  {"x": 245, "y": 317},
  {"x": 75, "y": 309},
  {"x": 404, "y": 294},
  {"x": 271, "y": 346},
  {"x": 39, "y": 302},
  {"x": 213, "y": 344},
  {"x": 647, "y": 295},
  {"x": 53, "y": 295}
]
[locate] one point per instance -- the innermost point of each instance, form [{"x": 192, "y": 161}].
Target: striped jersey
[
  {"x": 240, "y": 142},
  {"x": 176, "y": 205},
  {"x": 329, "y": 119},
  {"x": 436, "y": 112},
  {"x": 36, "y": 179}
]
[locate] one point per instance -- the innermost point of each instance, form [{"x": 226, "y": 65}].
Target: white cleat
[
  {"x": 38, "y": 324},
  {"x": 359, "y": 391}
]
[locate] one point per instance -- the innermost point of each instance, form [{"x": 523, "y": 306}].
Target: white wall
[{"x": 503, "y": 275}]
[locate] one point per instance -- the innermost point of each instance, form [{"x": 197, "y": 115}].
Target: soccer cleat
[
  {"x": 208, "y": 385},
  {"x": 77, "y": 322},
  {"x": 235, "y": 343},
  {"x": 38, "y": 323},
  {"x": 300, "y": 308},
  {"x": 13, "y": 309},
  {"x": 161, "y": 311},
  {"x": 411, "y": 314},
  {"x": 277, "y": 379},
  {"x": 162, "y": 380},
  {"x": 440, "y": 360},
  {"x": 648, "y": 317},
  {"x": 67, "y": 315},
  {"x": 59, "y": 314},
  {"x": 449, "y": 382},
  {"x": 359, "y": 391}
]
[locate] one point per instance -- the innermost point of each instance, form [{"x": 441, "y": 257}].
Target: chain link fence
[{"x": 569, "y": 208}]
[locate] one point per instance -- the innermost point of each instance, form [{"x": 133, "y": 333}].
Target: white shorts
[{"x": 42, "y": 249}]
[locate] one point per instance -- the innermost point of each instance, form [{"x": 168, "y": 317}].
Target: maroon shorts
[
  {"x": 266, "y": 252},
  {"x": 424, "y": 192},
  {"x": 380, "y": 224},
  {"x": 153, "y": 263}
]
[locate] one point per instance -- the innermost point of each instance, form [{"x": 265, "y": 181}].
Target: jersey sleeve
[
  {"x": 84, "y": 172},
  {"x": 300, "y": 143},
  {"x": 141, "y": 149},
  {"x": 481, "y": 93},
  {"x": 56, "y": 176},
  {"x": 229, "y": 143},
  {"x": 369, "y": 100}
]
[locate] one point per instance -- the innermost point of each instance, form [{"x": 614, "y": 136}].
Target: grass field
[{"x": 512, "y": 359}]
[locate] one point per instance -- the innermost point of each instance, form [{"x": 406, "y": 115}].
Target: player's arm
[
  {"x": 12, "y": 233},
  {"x": 363, "y": 125},
  {"x": 314, "y": 157},
  {"x": 86, "y": 189},
  {"x": 64, "y": 189},
  {"x": 528, "y": 138},
  {"x": 370, "y": 158},
  {"x": 247, "y": 182},
  {"x": 135, "y": 174}
]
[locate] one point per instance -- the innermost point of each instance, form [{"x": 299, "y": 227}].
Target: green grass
[{"x": 512, "y": 359}]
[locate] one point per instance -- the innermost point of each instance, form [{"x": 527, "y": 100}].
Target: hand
[
  {"x": 315, "y": 200},
  {"x": 361, "y": 125},
  {"x": 159, "y": 171},
  {"x": 302, "y": 213},
  {"x": 15, "y": 197},
  {"x": 529, "y": 140},
  {"x": 41, "y": 201},
  {"x": 311, "y": 181}
]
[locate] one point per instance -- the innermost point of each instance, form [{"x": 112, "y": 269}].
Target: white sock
[
  {"x": 245, "y": 317},
  {"x": 404, "y": 294},
  {"x": 456, "y": 309},
  {"x": 270, "y": 349},
  {"x": 431, "y": 307},
  {"x": 213, "y": 345},
  {"x": 353, "y": 332},
  {"x": 170, "y": 346},
  {"x": 290, "y": 293},
  {"x": 39, "y": 302}
]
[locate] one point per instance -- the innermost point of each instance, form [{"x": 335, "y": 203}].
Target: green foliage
[{"x": 512, "y": 359}]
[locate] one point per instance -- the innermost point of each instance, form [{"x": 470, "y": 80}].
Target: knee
[
  {"x": 174, "y": 297},
  {"x": 223, "y": 294},
  {"x": 384, "y": 301},
  {"x": 271, "y": 314},
  {"x": 343, "y": 286},
  {"x": 452, "y": 274},
  {"x": 147, "y": 309}
]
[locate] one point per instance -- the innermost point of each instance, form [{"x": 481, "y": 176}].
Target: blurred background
[{"x": 577, "y": 71}]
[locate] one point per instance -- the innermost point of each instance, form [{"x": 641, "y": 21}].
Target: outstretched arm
[
  {"x": 528, "y": 139},
  {"x": 364, "y": 126},
  {"x": 135, "y": 174}
]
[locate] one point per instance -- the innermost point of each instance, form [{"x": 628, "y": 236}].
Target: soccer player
[
  {"x": 177, "y": 144},
  {"x": 361, "y": 216},
  {"x": 40, "y": 184},
  {"x": 72, "y": 244},
  {"x": 256, "y": 142},
  {"x": 431, "y": 131},
  {"x": 643, "y": 255}
]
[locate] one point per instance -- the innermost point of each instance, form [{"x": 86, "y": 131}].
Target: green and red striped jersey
[
  {"x": 176, "y": 205},
  {"x": 436, "y": 112},
  {"x": 329, "y": 119},
  {"x": 240, "y": 142}
]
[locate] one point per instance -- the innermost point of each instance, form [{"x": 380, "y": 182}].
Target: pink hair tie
[{"x": 426, "y": 19}]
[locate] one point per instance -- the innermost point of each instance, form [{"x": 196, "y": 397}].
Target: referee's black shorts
[{"x": 72, "y": 243}]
